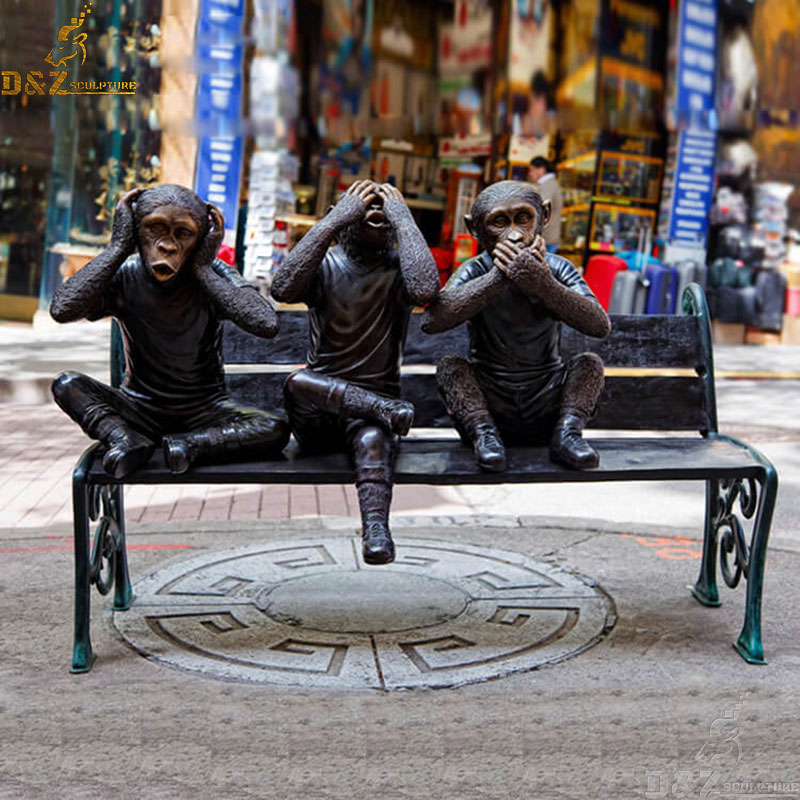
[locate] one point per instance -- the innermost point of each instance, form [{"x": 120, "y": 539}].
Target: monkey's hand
[
  {"x": 352, "y": 204},
  {"x": 394, "y": 206},
  {"x": 210, "y": 245},
  {"x": 526, "y": 266},
  {"x": 123, "y": 229}
]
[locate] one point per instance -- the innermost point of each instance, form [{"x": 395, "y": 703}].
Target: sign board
[{"x": 693, "y": 188}]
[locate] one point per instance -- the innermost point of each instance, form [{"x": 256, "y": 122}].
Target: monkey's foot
[
  {"x": 489, "y": 447},
  {"x": 127, "y": 450},
  {"x": 568, "y": 447},
  {"x": 397, "y": 415},
  {"x": 179, "y": 453},
  {"x": 377, "y": 546}
]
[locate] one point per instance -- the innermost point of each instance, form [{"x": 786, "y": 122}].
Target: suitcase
[
  {"x": 629, "y": 295},
  {"x": 689, "y": 272},
  {"x": 770, "y": 286},
  {"x": 723, "y": 272},
  {"x": 600, "y": 273},
  {"x": 663, "y": 289},
  {"x": 792, "y": 301},
  {"x": 729, "y": 305},
  {"x": 635, "y": 259}
]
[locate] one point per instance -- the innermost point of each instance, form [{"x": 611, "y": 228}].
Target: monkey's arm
[
  {"x": 292, "y": 280},
  {"x": 85, "y": 293},
  {"x": 531, "y": 273},
  {"x": 458, "y": 303},
  {"x": 420, "y": 276},
  {"x": 236, "y": 299}
]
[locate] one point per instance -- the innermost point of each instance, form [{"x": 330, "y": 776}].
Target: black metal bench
[{"x": 660, "y": 377}]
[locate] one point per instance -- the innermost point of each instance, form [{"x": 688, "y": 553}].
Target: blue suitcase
[{"x": 663, "y": 289}]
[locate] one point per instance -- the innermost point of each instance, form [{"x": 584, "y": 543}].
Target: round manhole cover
[{"x": 311, "y": 613}]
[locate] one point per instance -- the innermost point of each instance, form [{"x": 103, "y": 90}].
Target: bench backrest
[
  {"x": 635, "y": 397},
  {"x": 659, "y": 369}
]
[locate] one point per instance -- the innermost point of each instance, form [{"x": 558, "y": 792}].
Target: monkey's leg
[
  {"x": 348, "y": 401},
  {"x": 237, "y": 432},
  {"x": 466, "y": 403},
  {"x": 582, "y": 390},
  {"x": 105, "y": 415},
  {"x": 373, "y": 451}
]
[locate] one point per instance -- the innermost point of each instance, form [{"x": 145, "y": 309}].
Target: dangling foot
[
  {"x": 126, "y": 451},
  {"x": 489, "y": 447},
  {"x": 397, "y": 415},
  {"x": 377, "y": 546},
  {"x": 568, "y": 447},
  {"x": 179, "y": 453}
]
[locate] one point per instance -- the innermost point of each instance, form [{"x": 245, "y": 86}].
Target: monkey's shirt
[
  {"x": 171, "y": 333},
  {"x": 358, "y": 319},
  {"x": 514, "y": 348}
]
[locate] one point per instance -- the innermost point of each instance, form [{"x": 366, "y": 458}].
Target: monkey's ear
[
  {"x": 330, "y": 208},
  {"x": 547, "y": 210},
  {"x": 468, "y": 221}
]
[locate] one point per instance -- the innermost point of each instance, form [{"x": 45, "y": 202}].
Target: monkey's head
[
  {"x": 171, "y": 221},
  {"x": 507, "y": 211},
  {"x": 369, "y": 239}
]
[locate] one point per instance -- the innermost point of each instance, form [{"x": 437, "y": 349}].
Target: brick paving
[{"x": 40, "y": 447}]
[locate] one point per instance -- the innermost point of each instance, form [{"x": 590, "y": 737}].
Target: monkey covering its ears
[{"x": 159, "y": 278}]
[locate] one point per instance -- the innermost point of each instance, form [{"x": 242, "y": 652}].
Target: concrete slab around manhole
[{"x": 311, "y": 613}]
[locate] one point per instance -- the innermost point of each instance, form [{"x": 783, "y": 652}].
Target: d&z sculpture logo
[{"x": 69, "y": 45}]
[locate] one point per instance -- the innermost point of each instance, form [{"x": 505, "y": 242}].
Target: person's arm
[
  {"x": 235, "y": 299},
  {"x": 528, "y": 269},
  {"x": 462, "y": 300},
  {"x": 417, "y": 266},
  {"x": 85, "y": 293},
  {"x": 293, "y": 278}
]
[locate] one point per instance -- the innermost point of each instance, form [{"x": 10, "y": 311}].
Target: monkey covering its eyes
[
  {"x": 159, "y": 278},
  {"x": 515, "y": 387}
]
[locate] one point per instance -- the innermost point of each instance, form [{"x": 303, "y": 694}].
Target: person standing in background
[{"x": 544, "y": 180}]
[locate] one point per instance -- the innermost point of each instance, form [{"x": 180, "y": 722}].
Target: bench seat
[{"x": 438, "y": 461}]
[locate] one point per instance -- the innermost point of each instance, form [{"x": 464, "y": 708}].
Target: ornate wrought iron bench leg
[
  {"x": 123, "y": 593},
  {"x": 705, "y": 590},
  {"x": 749, "y": 645},
  {"x": 82, "y": 653}
]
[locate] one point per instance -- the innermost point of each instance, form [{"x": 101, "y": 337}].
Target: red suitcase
[{"x": 600, "y": 273}]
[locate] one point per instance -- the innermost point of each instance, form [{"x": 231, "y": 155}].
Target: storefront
[{"x": 270, "y": 109}]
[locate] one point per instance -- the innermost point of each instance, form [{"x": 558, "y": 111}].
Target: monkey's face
[
  {"x": 167, "y": 239},
  {"x": 514, "y": 220},
  {"x": 376, "y": 229}
]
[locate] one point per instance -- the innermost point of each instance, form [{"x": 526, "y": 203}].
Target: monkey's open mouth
[
  {"x": 375, "y": 218},
  {"x": 163, "y": 270}
]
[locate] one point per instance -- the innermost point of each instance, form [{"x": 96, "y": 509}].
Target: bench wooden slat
[
  {"x": 651, "y": 341},
  {"x": 628, "y": 403},
  {"x": 449, "y": 462}
]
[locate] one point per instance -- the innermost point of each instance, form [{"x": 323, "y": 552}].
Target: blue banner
[
  {"x": 697, "y": 61},
  {"x": 694, "y": 187},
  {"x": 218, "y": 107},
  {"x": 219, "y": 169}
]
